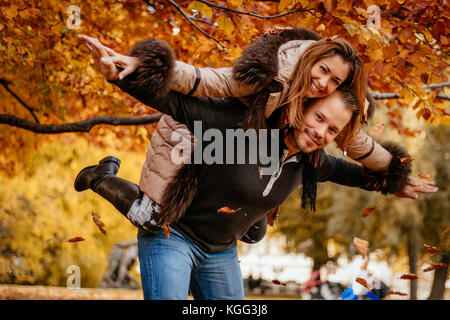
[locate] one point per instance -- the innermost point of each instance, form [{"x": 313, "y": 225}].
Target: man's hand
[
  {"x": 414, "y": 186},
  {"x": 106, "y": 59}
]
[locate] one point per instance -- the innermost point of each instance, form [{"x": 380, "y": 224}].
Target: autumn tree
[{"x": 51, "y": 93}]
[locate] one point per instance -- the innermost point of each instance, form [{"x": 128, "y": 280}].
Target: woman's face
[{"x": 326, "y": 75}]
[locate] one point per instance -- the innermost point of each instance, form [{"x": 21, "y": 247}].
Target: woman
[{"x": 160, "y": 183}]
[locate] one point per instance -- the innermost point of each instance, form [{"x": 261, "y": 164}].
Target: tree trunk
[
  {"x": 412, "y": 254},
  {"x": 440, "y": 277}
]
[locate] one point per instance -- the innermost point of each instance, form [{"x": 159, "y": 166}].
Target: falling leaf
[
  {"x": 435, "y": 266},
  {"x": 397, "y": 293},
  {"x": 376, "y": 129},
  {"x": 432, "y": 249},
  {"x": 280, "y": 283},
  {"x": 445, "y": 231},
  {"x": 166, "y": 230},
  {"x": 76, "y": 239},
  {"x": 406, "y": 160},
  {"x": 361, "y": 245},
  {"x": 368, "y": 211},
  {"x": 227, "y": 210},
  {"x": 424, "y": 175},
  {"x": 408, "y": 276},
  {"x": 362, "y": 282},
  {"x": 98, "y": 222}
]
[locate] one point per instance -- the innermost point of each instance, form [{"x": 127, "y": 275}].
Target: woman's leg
[
  {"x": 165, "y": 265},
  {"x": 218, "y": 277}
]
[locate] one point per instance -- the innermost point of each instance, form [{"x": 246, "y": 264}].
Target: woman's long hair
[{"x": 355, "y": 82}]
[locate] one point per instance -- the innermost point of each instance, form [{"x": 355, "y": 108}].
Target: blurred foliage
[{"x": 39, "y": 214}]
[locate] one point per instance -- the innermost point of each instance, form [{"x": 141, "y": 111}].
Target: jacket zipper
[{"x": 276, "y": 174}]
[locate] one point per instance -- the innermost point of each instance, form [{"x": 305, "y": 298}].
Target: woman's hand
[
  {"x": 414, "y": 186},
  {"x": 106, "y": 59}
]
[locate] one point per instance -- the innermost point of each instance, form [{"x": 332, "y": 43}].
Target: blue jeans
[{"x": 170, "y": 267}]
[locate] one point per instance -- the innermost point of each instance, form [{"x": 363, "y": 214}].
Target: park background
[{"x": 58, "y": 115}]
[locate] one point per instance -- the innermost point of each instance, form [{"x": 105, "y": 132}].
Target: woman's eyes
[{"x": 336, "y": 82}]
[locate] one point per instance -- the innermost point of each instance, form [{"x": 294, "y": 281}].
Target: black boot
[
  {"x": 102, "y": 179},
  {"x": 92, "y": 174}
]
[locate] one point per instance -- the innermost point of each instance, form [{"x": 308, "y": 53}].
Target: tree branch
[
  {"x": 80, "y": 126},
  {"x": 252, "y": 14},
  {"x": 179, "y": 9},
  {"x": 5, "y": 83}
]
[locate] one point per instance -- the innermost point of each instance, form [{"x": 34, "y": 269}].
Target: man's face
[{"x": 324, "y": 119}]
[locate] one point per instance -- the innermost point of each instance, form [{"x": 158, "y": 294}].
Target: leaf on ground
[
  {"x": 361, "y": 245},
  {"x": 228, "y": 210},
  {"x": 99, "y": 223},
  {"x": 280, "y": 283},
  {"x": 397, "y": 293},
  {"x": 408, "y": 276},
  {"x": 76, "y": 239},
  {"x": 368, "y": 211}
]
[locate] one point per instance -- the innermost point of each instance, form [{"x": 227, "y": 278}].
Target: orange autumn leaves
[
  {"x": 98, "y": 223},
  {"x": 368, "y": 211},
  {"x": 361, "y": 245}
]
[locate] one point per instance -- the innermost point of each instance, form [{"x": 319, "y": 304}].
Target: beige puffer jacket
[{"x": 159, "y": 170}]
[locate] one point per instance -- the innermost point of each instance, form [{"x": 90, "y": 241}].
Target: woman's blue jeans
[{"x": 170, "y": 267}]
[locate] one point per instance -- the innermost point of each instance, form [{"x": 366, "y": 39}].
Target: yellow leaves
[
  {"x": 225, "y": 24},
  {"x": 286, "y": 5},
  {"x": 235, "y": 52},
  {"x": 10, "y": 11},
  {"x": 235, "y": 3},
  {"x": 351, "y": 29},
  {"x": 201, "y": 7}
]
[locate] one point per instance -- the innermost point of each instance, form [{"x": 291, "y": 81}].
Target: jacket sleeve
[
  {"x": 212, "y": 112},
  {"x": 354, "y": 175},
  {"x": 342, "y": 172},
  {"x": 368, "y": 152},
  {"x": 208, "y": 82},
  {"x": 382, "y": 161}
]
